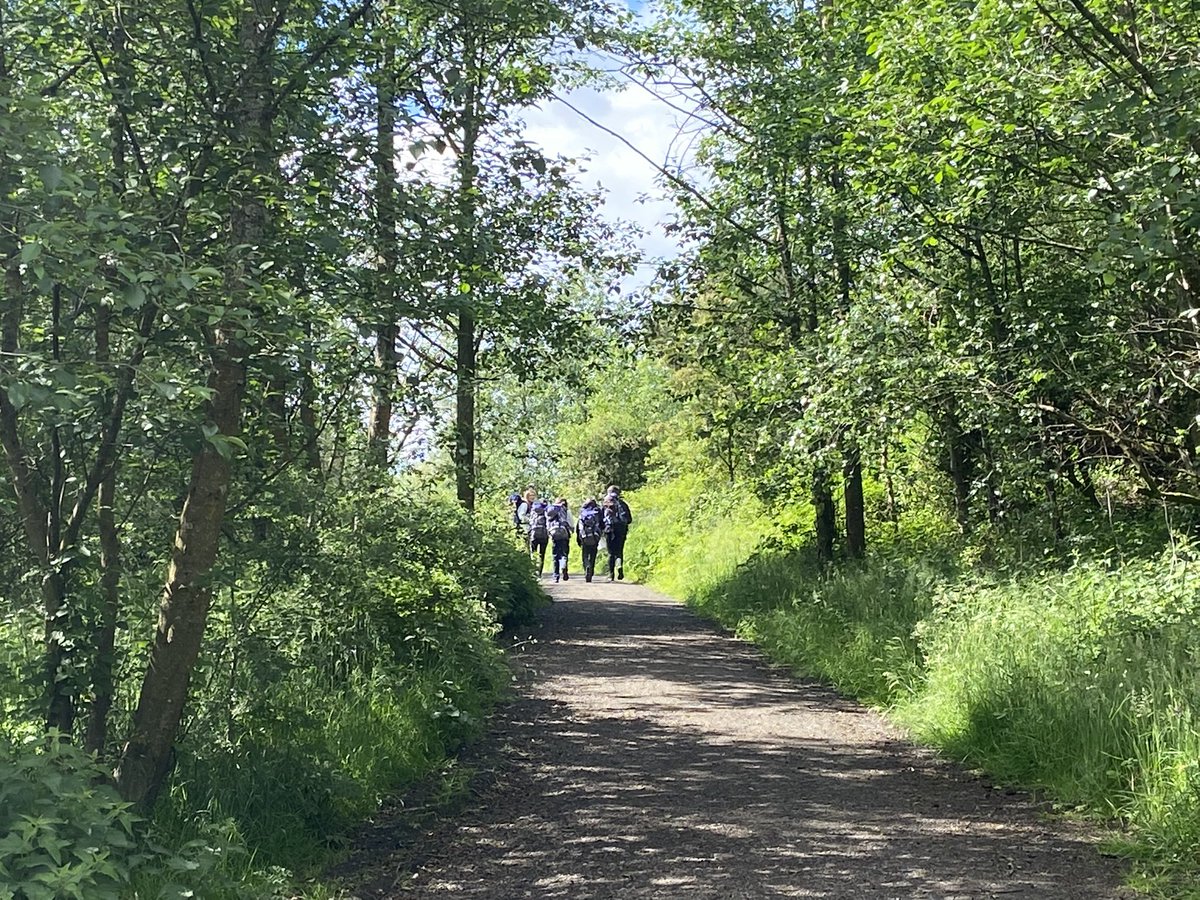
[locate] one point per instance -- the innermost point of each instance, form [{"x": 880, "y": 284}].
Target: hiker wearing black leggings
[
  {"x": 617, "y": 519},
  {"x": 589, "y": 528},
  {"x": 539, "y": 534}
]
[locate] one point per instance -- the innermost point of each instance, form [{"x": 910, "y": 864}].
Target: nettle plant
[
  {"x": 63, "y": 832},
  {"x": 66, "y": 833}
]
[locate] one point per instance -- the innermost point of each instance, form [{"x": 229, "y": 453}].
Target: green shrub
[
  {"x": 372, "y": 661},
  {"x": 1074, "y": 673},
  {"x": 64, "y": 833}
]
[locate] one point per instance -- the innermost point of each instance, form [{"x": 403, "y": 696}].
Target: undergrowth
[
  {"x": 1072, "y": 673},
  {"x": 347, "y": 663}
]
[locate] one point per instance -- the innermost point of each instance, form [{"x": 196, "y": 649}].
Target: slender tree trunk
[
  {"x": 465, "y": 372},
  {"x": 308, "y": 420},
  {"x": 60, "y": 691},
  {"x": 959, "y": 466},
  {"x": 856, "y": 527},
  {"x": 466, "y": 345},
  {"x": 825, "y": 515},
  {"x": 380, "y": 430},
  {"x": 104, "y": 637},
  {"x": 183, "y": 612}
]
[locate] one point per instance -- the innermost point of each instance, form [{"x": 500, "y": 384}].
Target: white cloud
[{"x": 631, "y": 183}]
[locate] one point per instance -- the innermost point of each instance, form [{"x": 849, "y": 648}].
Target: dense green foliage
[
  {"x": 964, "y": 229},
  {"x": 248, "y": 251},
  {"x": 917, "y": 407}
]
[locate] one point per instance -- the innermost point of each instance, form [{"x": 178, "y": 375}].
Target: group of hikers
[{"x": 541, "y": 525}]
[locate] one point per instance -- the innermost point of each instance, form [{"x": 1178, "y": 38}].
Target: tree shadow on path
[{"x": 648, "y": 755}]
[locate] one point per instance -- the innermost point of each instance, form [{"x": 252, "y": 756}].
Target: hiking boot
[
  {"x": 566, "y": 577},
  {"x": 556, "y": 578},
  {"x": 587, "y": 578},
  {"x": 620, "y": 569}
]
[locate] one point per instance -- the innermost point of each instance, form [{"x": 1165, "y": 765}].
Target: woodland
[{"x": 290, "y": 305}]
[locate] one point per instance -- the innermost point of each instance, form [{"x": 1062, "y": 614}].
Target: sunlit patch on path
[{"x": 647, "y": 755}]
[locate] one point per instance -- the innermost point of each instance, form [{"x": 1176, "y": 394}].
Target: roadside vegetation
[
  {"x": 1073, "y": 674},
  {"x": 289, "y": 305}
]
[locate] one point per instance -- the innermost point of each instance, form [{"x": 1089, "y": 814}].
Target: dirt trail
[{"x": 647, "y": 755}]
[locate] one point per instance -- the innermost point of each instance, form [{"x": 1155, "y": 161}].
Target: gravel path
[{"x": 648, "y": 755}]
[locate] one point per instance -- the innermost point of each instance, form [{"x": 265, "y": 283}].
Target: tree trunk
[
  {"x": 856, "y": 524},
  {"x": 380, "y": 429},
  {"x": 104, "y": 636},
  {"x": 466, "y": 349},
  {"x": 464, "y": 409},
  {"x": 825, "y": 516},
  {"x": 959, "y": 467},
  {"x": 308, "y": 420},
  {"x": 183, "y": 612}
]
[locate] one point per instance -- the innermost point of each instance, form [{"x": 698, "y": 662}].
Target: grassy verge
[{"x": 1079, "y": 679}]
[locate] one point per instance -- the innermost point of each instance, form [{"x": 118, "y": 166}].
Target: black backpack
[
  {"x": 558, "y": 525},
  {"x": 590, "y": 527},
  {"x": 538, "y": 527}
]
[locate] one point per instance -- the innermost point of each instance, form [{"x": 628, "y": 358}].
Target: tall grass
[{"x": 1077, "y": 677}]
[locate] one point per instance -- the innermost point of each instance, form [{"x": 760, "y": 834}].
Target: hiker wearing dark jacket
[
  {"x": 561, "y": 528},
  {"x": 514, "y": 500},
  {"x": 589, "y": 528},
  {"x": 617, "y": 519},
  {"x": 539, "y": 533}
]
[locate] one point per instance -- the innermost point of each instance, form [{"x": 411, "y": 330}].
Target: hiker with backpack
[
  {"x": 539, "y": 533},
  {"x": 561, "y": 526},
  {"x": 514, "y": 500},
  {"x": 588, "y": 531},
  {"x": 617, "y": 519},
  {"x": 524, "y": 508}
]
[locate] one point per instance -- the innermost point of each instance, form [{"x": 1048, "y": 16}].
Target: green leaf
[
  {"x": 134, "y": 296},
  {"x": 52, "y": 177}
]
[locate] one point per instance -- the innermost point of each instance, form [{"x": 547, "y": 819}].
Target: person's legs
[
  {"x": 539, "y": 551},
  {"x": 589, "y": 562},
  {"x": 560, "y": 558},
  {"x": 616, "y": 552}
]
